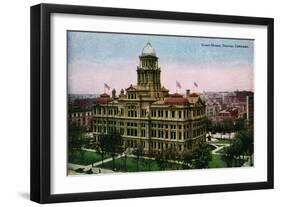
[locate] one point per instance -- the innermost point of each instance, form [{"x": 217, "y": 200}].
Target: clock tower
[{"x": 148, "y": 69}]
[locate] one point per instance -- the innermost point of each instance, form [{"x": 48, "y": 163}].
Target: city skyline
[{"x": 228, "y": 62}]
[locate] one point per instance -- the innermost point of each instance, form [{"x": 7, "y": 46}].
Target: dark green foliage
[
  {"x": 111, "y": 143},
  {"x": 76, "y": 139},
  {"x": 227, "y": 125},
  {"x": 138, "y": 152},
  {"x": 187, "y": 158},
  {"x": 239, "y": 124},
  {"x": 201, "y": 156},
  {"x": 242, "y": 145},
  {"x": 165, "y": 159}
]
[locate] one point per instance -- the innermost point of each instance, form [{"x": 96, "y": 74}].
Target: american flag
[
  {"x": 106, "y": 86},
  {"x": 196, "y": 85},
  {"x": 178, "y": 84}
]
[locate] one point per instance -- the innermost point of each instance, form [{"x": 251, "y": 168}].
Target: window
[
  {"x": 143, "y": 112},
  {"x": 160, "y": 113},
  {"x": 132, "y": 112},
  {"x": 153, "y": 133},
  {"x": 173, "y": 135},
  {"x": 173, "y": 114},
  {"x": 132, "y": 96},
  {"x": 180, "y": 114},
  {"x": 179, "y": 135},
  {"x": 173, "y": 126},
  {"x": 153, "y": 113},
  {"x": 142, "y": 133}
]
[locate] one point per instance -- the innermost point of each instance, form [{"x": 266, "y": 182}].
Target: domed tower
[{"x": 148, "y": 70}]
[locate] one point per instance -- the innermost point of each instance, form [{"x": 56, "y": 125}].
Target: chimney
[
  {"x": 113, "y": 93},
  {"x": 187, "y": 92}
]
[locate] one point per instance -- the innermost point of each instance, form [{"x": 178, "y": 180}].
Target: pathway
[{"x": 218, "y": 148}]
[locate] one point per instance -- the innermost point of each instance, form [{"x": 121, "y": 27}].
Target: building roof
[
  {"x": 81, "y": 104},
  {"x": 176, "y": 99},
  {"x": 229, "y": 112},
  {"x": 148, "y": 50},
  {"x": 103, "y": 99}
]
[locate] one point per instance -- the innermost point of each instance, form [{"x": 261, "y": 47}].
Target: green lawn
[
  {"x": 223, "y": 141},
  {"x": 217, "y": 162},
  {"x": 85, "y": 157},
  {"x": 133, "y": 165}
]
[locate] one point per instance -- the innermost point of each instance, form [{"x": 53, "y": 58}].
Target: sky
[{"x": 215, "y": 64}]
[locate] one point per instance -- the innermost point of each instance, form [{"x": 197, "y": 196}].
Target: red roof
[
  {"x": 231, "y": 112},
  {"x": 103, "y": 99},
  {"x": 176, "y": 99}
]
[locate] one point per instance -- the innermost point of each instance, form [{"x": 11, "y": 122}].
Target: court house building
[{"x": 147, "y": 115}]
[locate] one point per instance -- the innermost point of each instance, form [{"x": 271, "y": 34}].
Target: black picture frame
[{"x": 41, "y": 95}]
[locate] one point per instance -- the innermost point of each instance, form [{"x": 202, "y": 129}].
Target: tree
[
  {"x": 147, "y": 162},
  {"x": 125, "y": 157},
  {"x": 237, "y": 148},
  {"x": 239, "y": 124},
  {"x": 228, "y": 126},
  {"x": 161, "y": 160},
  {"x": 170, "y": 155},
  {"x": 138, "y": 152},
  {"x": 229, "y": 156},
  {"x": 101, "y": 149},
  {"x": 242, "y": 145},
  {"x": 111, "y": 143},
  {"x": 187, "y": 158},
  {"x": 201, "y": 156},
  {"x": 246, "y": 138},
  {"x": 76, "y": 139}
]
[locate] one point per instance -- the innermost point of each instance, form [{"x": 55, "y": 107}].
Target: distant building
[
  {"x": 228, "y": 113},
  {"x": 147, "y": 115},
  {"x": 80, "y": 113},
  {"x": 212, "y": 108},
  {"x": 229, "y": 98},
  {"x": 81, "y": 119}
]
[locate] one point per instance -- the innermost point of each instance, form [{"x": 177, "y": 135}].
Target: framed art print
[{"x": 133, "y": 103}]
